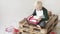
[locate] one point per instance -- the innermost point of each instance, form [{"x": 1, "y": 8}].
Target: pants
[{"x": 42, "y": 24}]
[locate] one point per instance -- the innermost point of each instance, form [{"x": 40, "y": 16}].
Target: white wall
[
  {"x": 12, "y": 11},
  {"x": 52, "y": 5}
]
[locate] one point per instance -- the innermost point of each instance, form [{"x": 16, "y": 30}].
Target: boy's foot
[{"x": 39, "y": 26}]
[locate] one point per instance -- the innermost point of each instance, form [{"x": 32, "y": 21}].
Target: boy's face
[{"x": 38, "y": 6}]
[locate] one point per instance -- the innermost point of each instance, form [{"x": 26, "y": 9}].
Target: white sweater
[{"x": 39, "y": 14}]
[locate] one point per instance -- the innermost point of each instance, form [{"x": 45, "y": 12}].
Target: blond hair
[{"x": 37, "y": 3}]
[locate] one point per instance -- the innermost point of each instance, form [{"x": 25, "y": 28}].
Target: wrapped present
[{"x": 33, "y": 20}]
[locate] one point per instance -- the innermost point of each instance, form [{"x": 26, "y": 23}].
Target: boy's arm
[
  {"x": 34, "y": 13},
  {"x": 45, "y": 14}
]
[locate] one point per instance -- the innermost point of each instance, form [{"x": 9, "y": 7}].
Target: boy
[{"x": 41, "y": 13}]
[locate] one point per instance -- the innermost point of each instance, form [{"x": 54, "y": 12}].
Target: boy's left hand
[{"x": 39, "y": 19}]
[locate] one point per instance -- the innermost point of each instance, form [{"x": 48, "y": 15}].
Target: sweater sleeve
[
  {"x": 45, "y": 14},
  {"x": 34, "y": 13}
]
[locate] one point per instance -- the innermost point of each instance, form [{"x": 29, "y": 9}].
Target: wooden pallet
[{"x": 26, "y": 28}]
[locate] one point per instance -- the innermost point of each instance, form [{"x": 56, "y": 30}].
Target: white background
[{"x": 12, "y": 11}]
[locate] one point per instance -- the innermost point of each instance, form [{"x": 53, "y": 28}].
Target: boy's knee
[{"x": 42, "y": 24}]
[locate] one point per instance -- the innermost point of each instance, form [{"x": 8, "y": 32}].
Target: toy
[
  {"x": 9, "y": 29},
  {"x": 16, "y": 31},
  {"x": 52, "y": 33},
  {"x": 12, "y": 29}
]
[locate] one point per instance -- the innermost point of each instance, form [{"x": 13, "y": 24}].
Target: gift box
[{"x": 33, "y": 20}]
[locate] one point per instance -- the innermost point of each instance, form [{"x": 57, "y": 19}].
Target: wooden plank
[{"x": 51, "y": 21}]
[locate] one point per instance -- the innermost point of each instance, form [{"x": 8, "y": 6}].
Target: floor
[
  {"x": 2, "y": 29},
  {"x": 57, "y": 29}
]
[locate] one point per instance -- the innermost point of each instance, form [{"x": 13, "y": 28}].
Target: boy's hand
[{"x": 39, "y": 19}]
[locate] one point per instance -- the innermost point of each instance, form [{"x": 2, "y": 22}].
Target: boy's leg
[{"x": 42, "y": 24}]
